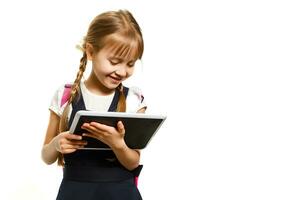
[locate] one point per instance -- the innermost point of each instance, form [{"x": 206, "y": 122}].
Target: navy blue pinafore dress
[{"x": 96, "y": 174}]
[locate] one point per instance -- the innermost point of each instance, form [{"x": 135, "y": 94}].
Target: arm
[
  {"x": 49, "y": 153},
  {"x": 129, "y": 158},
  {"x": 55, "y": 143}
]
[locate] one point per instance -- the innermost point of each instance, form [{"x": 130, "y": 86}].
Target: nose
[{"x": 121, "y": 71}]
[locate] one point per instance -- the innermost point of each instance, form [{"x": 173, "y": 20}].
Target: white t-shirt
[{"x": 94, "y": 102}]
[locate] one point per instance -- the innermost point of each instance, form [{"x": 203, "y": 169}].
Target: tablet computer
[{"x": 139, "y": 127}]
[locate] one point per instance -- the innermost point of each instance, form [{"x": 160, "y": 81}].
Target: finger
[
  {"x": 89, "y": 128},
  {"x": 67, "y": 147},
  {"x": 69, "y": 151},
  {"x": 121, "y": 127},
  {"x": 96, "y": 131},
  {"x": 101, "y": 127},
  {"x": 98, "y": 137},
  {"x": 77, "y": 142},
  {"x": 70, "y": 136},
  {"x": 71, "y": 146}
]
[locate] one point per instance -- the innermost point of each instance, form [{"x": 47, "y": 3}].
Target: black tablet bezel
[{"x": 139, "y": 127}]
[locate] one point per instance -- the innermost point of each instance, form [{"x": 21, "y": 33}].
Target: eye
[
  {"x": 130, "y": 64},
  {"x": 114, "y": 62}
]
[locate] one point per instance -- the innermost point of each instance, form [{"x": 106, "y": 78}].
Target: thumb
[{"x": 121, "y": 127}]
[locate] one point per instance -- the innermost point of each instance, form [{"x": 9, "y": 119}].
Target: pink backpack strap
[
  {"x": 66, "y": 94},
  {"x": 136, "y": 180},
  {"x": 136, "y": 172}
]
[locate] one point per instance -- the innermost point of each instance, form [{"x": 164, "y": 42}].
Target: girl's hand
[
  {"x": 113, "y": 137},
  {"x": 68, "y": 143}
]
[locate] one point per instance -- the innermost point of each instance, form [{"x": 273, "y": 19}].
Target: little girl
[{"x": 113, "y": 44}]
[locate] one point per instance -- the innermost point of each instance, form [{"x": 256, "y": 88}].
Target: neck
[{"x": 96, "y": 87}]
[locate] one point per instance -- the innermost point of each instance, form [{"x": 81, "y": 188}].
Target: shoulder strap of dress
[
  {"x": 126, "y": 89},
  {"x": 66, "y": 94}
]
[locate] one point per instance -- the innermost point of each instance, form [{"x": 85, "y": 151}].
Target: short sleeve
[
  {"x": 135, "y": 100},
  {"x": 55, "y": 104}
]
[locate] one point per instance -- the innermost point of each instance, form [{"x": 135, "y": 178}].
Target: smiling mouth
[{"x": 115, "y": 79}]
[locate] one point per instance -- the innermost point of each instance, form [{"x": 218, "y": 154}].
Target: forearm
[
  {"x": 49, "y": 153},
  {"x": 129, "y": 158}
]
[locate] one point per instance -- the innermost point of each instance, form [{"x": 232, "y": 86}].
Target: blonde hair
[{"x": 120, "y": 33}]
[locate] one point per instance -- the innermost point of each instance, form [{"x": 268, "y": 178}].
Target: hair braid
[
  {"x": 121, "y": 107},
  {"x": 63, "y": 124},
  {"x": 76, "y": 84}
]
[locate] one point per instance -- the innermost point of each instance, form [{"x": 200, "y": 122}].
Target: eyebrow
[
  {"x": 116, "y": 57},
  {"x": 120, "y": 58}
]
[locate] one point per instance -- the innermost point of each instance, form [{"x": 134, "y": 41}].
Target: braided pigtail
[
  {"x": 63, "y": 124},
  {"x": 121, "y": 107}
]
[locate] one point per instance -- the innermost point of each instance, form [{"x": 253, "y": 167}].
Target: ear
[{"x": 89, "y": 51}]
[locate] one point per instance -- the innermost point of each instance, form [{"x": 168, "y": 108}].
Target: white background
[{"x": 225, "y": 72}]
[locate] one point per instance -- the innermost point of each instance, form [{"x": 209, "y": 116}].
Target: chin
[{"x": 112, "y": 86}]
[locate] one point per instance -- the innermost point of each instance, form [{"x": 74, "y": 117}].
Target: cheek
[
  {"x": 101, "y": 69},
  {"x": 130, "y": 71},
  {"x": 97, "y": 71}
]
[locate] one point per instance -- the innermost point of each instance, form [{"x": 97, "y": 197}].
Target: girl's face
[{"x": 109, "y": 69}]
